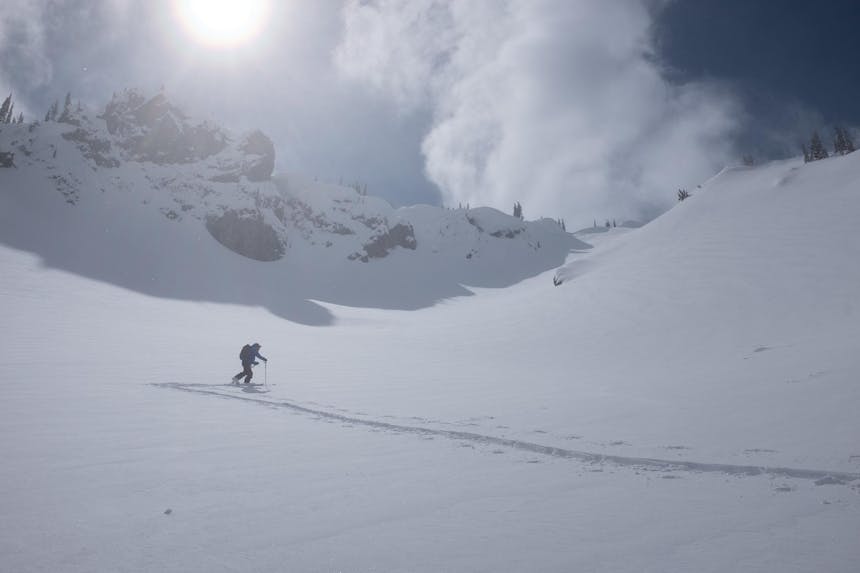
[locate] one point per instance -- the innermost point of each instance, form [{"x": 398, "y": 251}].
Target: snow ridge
[{"x": 179, "y": 198}]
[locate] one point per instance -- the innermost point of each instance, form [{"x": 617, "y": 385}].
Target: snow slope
[
  {"x": 95, "y": 196},
  {"x": 684, "y": 401}
]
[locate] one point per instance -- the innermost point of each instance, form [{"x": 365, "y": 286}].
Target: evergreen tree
[
  {"x": 842, "y": 143},
  {"x": 806, "y": 157},
  {"x": 6, "y": 109},
  {"x": 683, "y": 194},
  {"x": 838, "y": 141},
  {"x": 67, "y": 108},
  {"x": 817, "y": 149},
  {"x": 52, "y": 113},
  {"x": 518, "y": 210},
  {"x": 849, "y": 142},
  {"x": 21, "y": 117}
]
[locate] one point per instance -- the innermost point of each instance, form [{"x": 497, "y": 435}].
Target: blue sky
[
  {"x": 577, "y": 109},
  {"x": 792, "y": 62}
]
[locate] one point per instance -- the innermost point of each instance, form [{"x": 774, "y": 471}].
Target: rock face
[
  {"x": 155, "y": 130},
  {"x": 400, "y": 235},
  {"x": 260, "y": 151},
  {"x": 255, "y": 160},
  {"x": 246, "y": 233},
  {"x": 93, "y": 147}
]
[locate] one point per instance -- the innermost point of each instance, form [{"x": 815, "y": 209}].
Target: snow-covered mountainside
[
  {"x": 144, "y": 181},
  {"x": 684, "y": 400}
]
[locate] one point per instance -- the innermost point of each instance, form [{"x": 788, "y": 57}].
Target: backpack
[{"x": 246, "y": 354}]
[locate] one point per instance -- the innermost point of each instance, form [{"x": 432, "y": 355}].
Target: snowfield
[{"x": 685, "y": 400}]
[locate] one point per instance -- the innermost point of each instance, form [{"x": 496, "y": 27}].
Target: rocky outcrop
[
  {"x": 155, "y": 130},
  {"x": 259, "y": 152},
  {"x": 254, "y": 159},
  {"x": 246, "y": 233},
  {"x": 400, "y": 235},
  {"x": 93, "y": 147}
]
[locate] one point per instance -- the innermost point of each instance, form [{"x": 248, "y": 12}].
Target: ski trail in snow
[{"x": 583, "y": 456}]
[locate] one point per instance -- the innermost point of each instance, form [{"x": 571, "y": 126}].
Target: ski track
[{"x": 831, "y": 477}]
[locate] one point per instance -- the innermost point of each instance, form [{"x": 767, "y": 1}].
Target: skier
[{"x": 248, "y": 356}]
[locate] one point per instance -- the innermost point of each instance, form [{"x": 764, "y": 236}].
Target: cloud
[
  {"x": 23, "y": 59},
  {"x": 38, "y": 36},
  {"x": 558, "y": 104}
]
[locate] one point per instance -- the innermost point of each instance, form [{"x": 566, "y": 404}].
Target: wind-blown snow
[{"x": 612, "y": 423}]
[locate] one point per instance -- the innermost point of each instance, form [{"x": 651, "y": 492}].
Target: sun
[{"x": 223, "y": 23}]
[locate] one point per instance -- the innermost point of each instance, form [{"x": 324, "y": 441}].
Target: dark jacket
[{"x": 251, "y": 352}]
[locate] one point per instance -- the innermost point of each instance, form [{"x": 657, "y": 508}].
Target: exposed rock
[
  {"x": 400, "y": 235},
  {"x": 474, "y": 223},
  {"x": 507, "y": 233},
  {"x": 154, "y": 130},
  {"x": 7, "y": 159},
  {"x": 93, "y": 147},
  {"x": 260, "y": 153},
  {"x": 254, "y": 159},
  {"x": 247, "y": 234},
  {"x": 369, "y": 222},
  {"x": 301, "y": 214},
  {"x": 157, "y": 131}
]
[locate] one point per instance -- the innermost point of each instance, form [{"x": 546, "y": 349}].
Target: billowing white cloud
[
  {"x": 29, "y": 46},
  {"x": 558, "y": 104},
  {"x": 22, "y": 47}
]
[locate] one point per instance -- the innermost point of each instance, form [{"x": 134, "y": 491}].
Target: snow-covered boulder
[{"x": 246, "y": 232}]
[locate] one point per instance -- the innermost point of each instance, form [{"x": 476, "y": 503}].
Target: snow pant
[{"x": 246, "y": 372}]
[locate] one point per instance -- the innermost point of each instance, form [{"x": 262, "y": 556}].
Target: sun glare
[{"x": 223, "y": 23}]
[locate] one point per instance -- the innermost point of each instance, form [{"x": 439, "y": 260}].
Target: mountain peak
[{"x": 156, "y": 130}]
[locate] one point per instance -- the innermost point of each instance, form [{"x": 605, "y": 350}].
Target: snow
[
  {"x": 676, "y": 404},
  {"x": 142, "y": 210}
]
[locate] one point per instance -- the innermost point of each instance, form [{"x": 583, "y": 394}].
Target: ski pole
[{"x": 266, "y": 373}]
